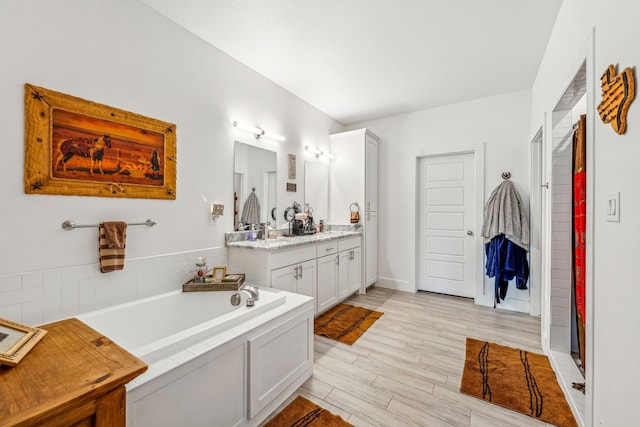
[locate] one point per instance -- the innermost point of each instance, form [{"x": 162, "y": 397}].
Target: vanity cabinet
[
  {"x": 339, "y": 274},
  {"x": 327, "y": 269},
  {"x": 354, "y": 185}
]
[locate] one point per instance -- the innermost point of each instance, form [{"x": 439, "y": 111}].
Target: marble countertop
[{"x": 283, "y": 242}]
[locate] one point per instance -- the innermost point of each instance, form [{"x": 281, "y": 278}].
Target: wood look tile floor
[{"x": 406, "y": 369}]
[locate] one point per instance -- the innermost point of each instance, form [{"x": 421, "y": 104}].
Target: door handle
[{"x": 469, "y": 233}]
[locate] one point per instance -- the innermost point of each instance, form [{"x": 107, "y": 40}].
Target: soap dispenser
[{"x": 253, "y": 233}]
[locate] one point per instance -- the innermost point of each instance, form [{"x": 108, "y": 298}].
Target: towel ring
[
  {"x": 506, "y": 175},
  {"x": 356, "y": 205}
]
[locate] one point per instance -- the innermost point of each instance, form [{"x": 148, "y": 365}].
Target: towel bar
[{"x": 70, "y": 225}]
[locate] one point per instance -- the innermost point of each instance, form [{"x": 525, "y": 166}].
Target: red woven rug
[
  {"x": 345, "y": 322},
  {"x": 516, "y": 379},
  {"x": 304, "y": 413}
]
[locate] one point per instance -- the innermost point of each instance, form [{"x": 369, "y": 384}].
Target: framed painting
[
  {"x": 81, "y": 148},
  {"x": 16, "y": 340}
]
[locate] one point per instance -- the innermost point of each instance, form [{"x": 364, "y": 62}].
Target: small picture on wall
[{"x": 292, "y": 166}]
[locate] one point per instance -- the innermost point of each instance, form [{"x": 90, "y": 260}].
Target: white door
[{"x": 446, "y": 234}]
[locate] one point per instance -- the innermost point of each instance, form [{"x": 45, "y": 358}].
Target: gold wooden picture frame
[
  {"x": 219, "y": 273},
  {"x": 82, "y": 148},
  {"x": 16, "y": 340}
]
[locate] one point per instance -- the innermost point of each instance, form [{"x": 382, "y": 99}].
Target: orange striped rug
[
  {"x": 304, "y": 413},
  {"x": 345, "y": 322},
  {"x": 515, "y": 379}
]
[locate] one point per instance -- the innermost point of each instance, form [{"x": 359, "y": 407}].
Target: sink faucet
[{"x": 251, "y": 292}]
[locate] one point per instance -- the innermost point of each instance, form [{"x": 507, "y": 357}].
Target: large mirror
[
  {"x": 316, "y": 189},
  {"x": 254, "y": 185}
]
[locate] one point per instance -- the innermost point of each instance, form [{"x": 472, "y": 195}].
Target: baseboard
[
  {"x": 398, "y": 285},
  {"x": 567, "y": 373}
]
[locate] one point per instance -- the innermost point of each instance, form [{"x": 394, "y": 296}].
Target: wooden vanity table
[{"x": 73, "y": 377}]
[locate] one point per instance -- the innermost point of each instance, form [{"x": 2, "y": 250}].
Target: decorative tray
[{"x": 231, "y": 282}]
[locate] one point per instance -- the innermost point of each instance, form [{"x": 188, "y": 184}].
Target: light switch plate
[{"x": 613, "y": 207}]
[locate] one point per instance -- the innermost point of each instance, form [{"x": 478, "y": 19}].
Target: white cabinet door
[
  {"x": 298, "y": 278},
  {"x": 306, "y": 283},
  {"x": 285, "y": 278},
  {"x": 327, "y": 286},
  {"x": 371, "y": 247},
  {"x": 371, "y": 174},
  {"x": 216, "y": 390},
  {"x": 277, "y": 359},
  {"x": 349, "y": 272},
  {"x": 355, "y": 270},
  {"x": 344, "y": 261}
]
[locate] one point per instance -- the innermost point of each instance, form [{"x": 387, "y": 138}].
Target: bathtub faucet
[{"x": 252, "y": 295}]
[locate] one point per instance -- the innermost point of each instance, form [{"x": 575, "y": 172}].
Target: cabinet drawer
[
  {"x": 348, "y": 243},
  {"x": 293, "y": 256},
  {"x": 327, "y": 248}
]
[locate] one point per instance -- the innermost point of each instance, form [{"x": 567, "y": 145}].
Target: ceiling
[{"x": 359, "y": 60}]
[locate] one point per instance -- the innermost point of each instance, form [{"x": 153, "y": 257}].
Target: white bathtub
[
  {"x": 155, "y": 327},
  {"x": 211, "y": 363}
]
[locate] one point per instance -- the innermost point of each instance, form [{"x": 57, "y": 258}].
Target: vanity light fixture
[
  {"x": 318, "y": 152},
  {"x": 259, "y": 132}
]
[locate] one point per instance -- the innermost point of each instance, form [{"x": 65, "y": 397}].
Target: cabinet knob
[{"x": 469, "y": 233}]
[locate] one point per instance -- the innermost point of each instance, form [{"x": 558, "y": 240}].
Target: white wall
[
  {"x": 501, "y": 122},
  {"x": 123, "y": 54},
  {"x": 614, "y": 316}
]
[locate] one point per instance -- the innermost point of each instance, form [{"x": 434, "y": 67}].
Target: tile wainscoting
[{"x": 45, "y": 296}]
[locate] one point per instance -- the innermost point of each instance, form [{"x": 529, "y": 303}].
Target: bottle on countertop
[{"x": 253, "y": 233}]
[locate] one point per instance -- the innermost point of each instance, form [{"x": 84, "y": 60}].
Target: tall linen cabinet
[{"x": 354, "y": 186}]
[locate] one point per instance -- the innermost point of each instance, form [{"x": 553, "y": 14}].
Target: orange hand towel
[{"x": 112, "y": 242}]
